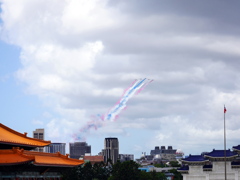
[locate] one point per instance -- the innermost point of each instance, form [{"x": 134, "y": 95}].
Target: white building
[{"x": 211, "y": 166}]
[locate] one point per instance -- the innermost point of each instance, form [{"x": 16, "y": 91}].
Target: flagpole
[{"x": 225, "y": 143}]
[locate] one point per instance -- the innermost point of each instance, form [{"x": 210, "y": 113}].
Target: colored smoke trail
[
  {"x": 135, "y": 88},
  {"x": 116, "y": 110}
]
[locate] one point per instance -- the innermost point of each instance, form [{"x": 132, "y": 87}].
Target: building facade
[
  {"x": 79, "y": 149},
  {"x": 159, "y": 155},
  {"x": 56, "y": 147},
  {"x": 93, "y": 159},
  {"x": 164, "y": 154},
  {"x": 39, "y": 134},
  {"x": 211, "y": 166},
  {"x": 126, "y": 157},
  {"x": 111, "y": 149}
]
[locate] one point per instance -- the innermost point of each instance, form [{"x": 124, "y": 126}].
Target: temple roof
[
  {"x": 11, "y": 157},
  {"x": 221, "y": 154},
  {"x": 19, "y": 156},
  {"x": 183, "y": 168},
  {"x": 236, "y": 148},
  {"x": 9, "y": 138},
  {"x": 195, "y": 158}
]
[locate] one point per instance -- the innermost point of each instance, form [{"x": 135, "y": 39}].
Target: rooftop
[
  {"x": 194, "y": 158},
  {"x": 221, "y": 154},
  {"x": 10, "y": 138},
  {"x": 19, "y": 156},
  {"x": 236, "y": 147},
  {"x": 93, "y": 159}
]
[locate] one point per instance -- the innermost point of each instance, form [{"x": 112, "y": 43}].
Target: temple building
[
  {"x": 211, "y": 166},
  {"x": 18, "y": 162}
]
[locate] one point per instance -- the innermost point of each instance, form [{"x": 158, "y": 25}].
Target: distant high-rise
[
  {"x": 111, "y": 149},
  {"x": 39, "y": 134},
  {"x": 163, "y": 153},
  {"x": 56, "y": 147},
  {"x": 78, "y": 149}
]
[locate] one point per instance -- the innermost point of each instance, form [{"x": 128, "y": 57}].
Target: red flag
[{"x": 225, "y": 110}]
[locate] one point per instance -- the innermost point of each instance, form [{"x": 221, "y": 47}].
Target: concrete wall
[{"x": 217, "y": 173}]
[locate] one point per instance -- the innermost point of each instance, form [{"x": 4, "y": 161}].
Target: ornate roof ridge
[
  {"x": 39, "y": 153},
  {"x": 220, "y": 154},
  {"x": 22, "y": 135},
  {"x": 37, "y": 158},
  {"x": 57, "y": 154},
  {"x": 236, "y": 147},
  {"x": 20, "y": 152}
]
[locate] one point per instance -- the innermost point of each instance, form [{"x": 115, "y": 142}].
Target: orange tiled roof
[
  {"x": 13, "y": 156},
  {"x": 16, "y": 156},
  {"x": 9, "y": 136},
  {"x": 93, "y": 159},
  {"x": 53, "y": 159}
]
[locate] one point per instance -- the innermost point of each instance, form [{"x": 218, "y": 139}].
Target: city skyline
[
  {"x": 66, "y": 65},
  {"x": 81, "y": 148}
]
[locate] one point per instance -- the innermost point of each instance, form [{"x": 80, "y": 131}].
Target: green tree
[
  {"x": 127, "y": 170},
  {"x": 153, "y": 175},
  {"x": 177, "y": 175},
  {"x": 160, "y": 165},
  {"x": 144, "y": 175},
  {"x": 88, "y": 172},
  {"x": 174, "y": 164},
  {"x": 71, "y": 174},
  {"x": 157, "y": 175},
  {"x": 101, "y": 171}
]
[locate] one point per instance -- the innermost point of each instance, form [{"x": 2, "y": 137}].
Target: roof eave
[
  {"x": 55, "y": 165},
  {"x": 234, "y": 149},
  {"x": 221, "y": 156},
  {"x": 195, "y": 161},
  {"x": 17, "y": 163},
  {"x": 20, "y": 144}
]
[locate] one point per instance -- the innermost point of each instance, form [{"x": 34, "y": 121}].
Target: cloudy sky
[{"x": 65, "y": 63}]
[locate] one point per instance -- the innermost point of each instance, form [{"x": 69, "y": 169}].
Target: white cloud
[
  {"x": 54, "y": 69},
  {"x": 83, "y": 16},
  {"x": 79, "y": 56},
  {"x": 53, "y": 129},
  {"x": 37, "y": 122}
]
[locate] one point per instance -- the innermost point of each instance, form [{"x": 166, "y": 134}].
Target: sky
[{"x": 65, "y": 66}]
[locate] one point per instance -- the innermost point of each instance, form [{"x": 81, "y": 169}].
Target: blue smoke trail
[{"x": 114, "y": 111}]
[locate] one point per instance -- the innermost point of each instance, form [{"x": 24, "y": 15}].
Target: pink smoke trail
[{"x": 144, "y": 86}]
